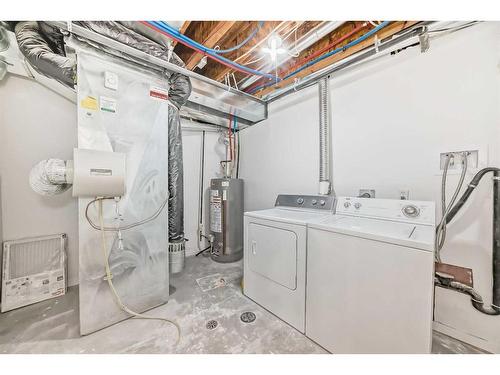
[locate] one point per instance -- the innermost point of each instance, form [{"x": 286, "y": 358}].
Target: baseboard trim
[{"x": 468, "y": 338}]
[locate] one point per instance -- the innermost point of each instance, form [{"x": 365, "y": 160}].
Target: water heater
[{"x": 226, "y": 219}]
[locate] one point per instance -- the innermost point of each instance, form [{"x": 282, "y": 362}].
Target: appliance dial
[
  {"x": 322, "y": 202},
  {"x": 411, "y": 211},
  {"x": 300, "y": 200},
  {"x": 314, "y": 202},
  {"x": 347, "y": 204},
  {"x": 357, "y": 205}
]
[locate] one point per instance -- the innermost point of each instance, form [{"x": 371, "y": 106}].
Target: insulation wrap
[
  {"x": 180, "y": 88},
  {"x": 44, "y": 52},
  {"x": 43, "y": 46}
]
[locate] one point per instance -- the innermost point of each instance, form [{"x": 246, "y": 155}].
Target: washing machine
[
  {"x": 275, "y": 250},
  {"x": 370, "y": 272}
]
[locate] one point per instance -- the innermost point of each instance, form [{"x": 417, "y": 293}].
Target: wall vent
[{"x": 34, "y": 269}]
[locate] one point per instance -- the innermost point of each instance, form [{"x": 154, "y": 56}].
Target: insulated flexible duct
[
  {"x": 44, "y": 53},
  {"x": 324, "y": 137},
  {"x": 51, "y": 177}
]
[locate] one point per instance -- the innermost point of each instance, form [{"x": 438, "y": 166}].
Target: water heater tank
[{"x": 226, "y": 219}]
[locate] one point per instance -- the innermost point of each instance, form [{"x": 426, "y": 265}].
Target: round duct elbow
[{"x": 51, "y": 176}]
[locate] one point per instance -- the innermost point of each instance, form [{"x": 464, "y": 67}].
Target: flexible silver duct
[
  {"x": 324, "y": 137},
  {"x": 51, "y": 176}
]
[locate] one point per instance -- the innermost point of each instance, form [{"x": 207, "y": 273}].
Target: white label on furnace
[
  {"x": 107, "y": 104},
  {"x": 224, "y": 195}
]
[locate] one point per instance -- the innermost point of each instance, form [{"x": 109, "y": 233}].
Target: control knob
[
  {"x": 322, "y": 202},
  {"x": 347, "y": 204},
  {"x": 300, "y": 200},
  {"x": 314, "y": 202},
  {"x": 411, "y": 211},
  {"x": 357, "y": 205}
]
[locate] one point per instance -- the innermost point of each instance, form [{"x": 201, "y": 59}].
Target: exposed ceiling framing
[{"x": 227, "y": 34}]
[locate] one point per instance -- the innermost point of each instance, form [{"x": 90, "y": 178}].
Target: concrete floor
[{"x": 52, "y": 326}]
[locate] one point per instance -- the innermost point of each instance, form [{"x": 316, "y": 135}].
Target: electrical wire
[
  {"x": 441, "y": 229},
  {"x": 164, "y": 28},
  {"x": 126, "y": 227},
  {"x": 109, "y": 278},
  {"x": 322, "y": 57}
]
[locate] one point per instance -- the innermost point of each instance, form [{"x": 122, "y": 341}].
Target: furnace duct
[
  {"x": 43, "y": 47},
  {"x": 51, "y": 177},
  {"x": 44, "y": 52}
]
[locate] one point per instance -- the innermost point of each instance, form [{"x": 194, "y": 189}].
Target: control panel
[
  {"x": 422, "y": 212},
  {"x": 311, "y": 202}
]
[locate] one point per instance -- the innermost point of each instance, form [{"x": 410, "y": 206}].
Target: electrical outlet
[
  {"x": 367, "y": 193},
  {"x": 456, "y": 159}
]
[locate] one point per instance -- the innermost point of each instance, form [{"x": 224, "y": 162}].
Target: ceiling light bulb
[{"x": 274, "y": 42}]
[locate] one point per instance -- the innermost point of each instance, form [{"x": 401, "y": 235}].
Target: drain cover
[
  {"x": 212, "y": 324},
  {"x": 247, "y": 317}
]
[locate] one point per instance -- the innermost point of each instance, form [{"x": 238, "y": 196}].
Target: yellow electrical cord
[{"x": 109, "y": 276}]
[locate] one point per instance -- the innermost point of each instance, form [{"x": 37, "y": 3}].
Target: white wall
[
  {"x": 36, "y": 123},
  {"x": 391, "y": 119}
]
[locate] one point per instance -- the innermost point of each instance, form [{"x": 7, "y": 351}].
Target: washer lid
[
  {"x": 293, "y": 216},
  {"x": 404, "y": 234}
]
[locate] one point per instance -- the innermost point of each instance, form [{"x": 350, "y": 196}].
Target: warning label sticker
[
  {"x": 215, "y": 213},
  {"x": 89, "y": 102},
  {"x": 158, "y": 93}
]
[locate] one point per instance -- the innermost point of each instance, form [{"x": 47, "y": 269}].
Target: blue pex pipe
[
  {"x": 238, "y": 46},
  {"x": 170, "y": 30}
]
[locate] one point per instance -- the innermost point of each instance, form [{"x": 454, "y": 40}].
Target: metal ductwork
[{"x": 325, "y": 185}]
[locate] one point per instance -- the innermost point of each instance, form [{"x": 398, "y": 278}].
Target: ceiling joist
[
  {"x": 228, "y": 34},
  {"x": 211, "y": 40}
]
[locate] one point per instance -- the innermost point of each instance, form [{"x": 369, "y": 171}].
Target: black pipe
[
  {"x": 496, "y": 241},
  {"x": 472, "y": 185},
  {"x": 476, "y": 299}
]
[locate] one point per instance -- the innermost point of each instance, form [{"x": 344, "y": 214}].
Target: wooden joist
[
  {"x": 215, "y": 35},
  {"x": 248, "y": 54}
]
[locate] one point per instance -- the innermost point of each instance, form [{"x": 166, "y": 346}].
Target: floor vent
[
  {"x": 212, "y": 324},
  {"x": 34, "y": 269},
  {"x": 248, "y": 317}
]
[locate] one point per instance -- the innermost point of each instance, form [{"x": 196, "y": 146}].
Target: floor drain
[
  {"x": 247, "y": 317},
  {"x": 212, "y": 324}
]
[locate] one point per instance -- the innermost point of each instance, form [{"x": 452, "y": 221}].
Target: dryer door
[
  {"x": 275, "y": 268},
  {"x": 273, "y": 253}
]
